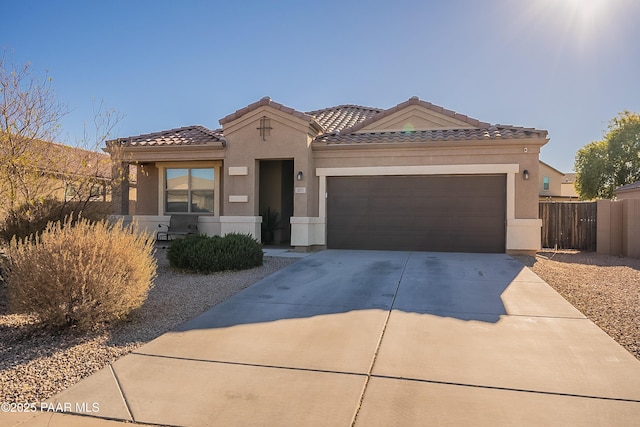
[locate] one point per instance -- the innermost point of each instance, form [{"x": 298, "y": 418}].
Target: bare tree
[{"x": 33, "y": 167}]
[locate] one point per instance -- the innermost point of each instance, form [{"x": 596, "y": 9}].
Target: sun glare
[
  {"x": 587, "y": 12},
  {"x": 576, "y": 23}
]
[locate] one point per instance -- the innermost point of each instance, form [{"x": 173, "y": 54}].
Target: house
[
  {"x": 47, "y": 169},
  {"x": 555, "y": 185},
  {"x": 82, "y": 174},
  {"x": 629, "y": 191},
  {"x": 567, "y": 187},
  {"x": 415, "y": 176}
]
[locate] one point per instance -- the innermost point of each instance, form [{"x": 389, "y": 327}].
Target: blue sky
[{"x": 567, "y": 66}]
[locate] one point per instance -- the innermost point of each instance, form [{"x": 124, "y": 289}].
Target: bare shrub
[
  {"x": 83, "y": 274},
  {"x": 30, "y": 218}
]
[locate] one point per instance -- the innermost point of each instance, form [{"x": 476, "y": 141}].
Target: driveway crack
[{"x": 375, "y": 354}]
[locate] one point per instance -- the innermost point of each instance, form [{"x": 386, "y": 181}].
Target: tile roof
[
  {"x": 414, "y": 100},
  {"x": 335, "y": 119},
  {"x": 338, "y": 125},
  {"x": 188, "y": 135},
  {"x": 342, "y": 124},
  {"x": 490, "y": 133},
  {"x": 629, "y": 187},
  {"x": 266, "y": 101}
]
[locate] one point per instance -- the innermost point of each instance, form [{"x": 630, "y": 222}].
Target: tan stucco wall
[
  {"x": 631, "y": 194},
  {"x": 568, "y": 189},
  {"x": 631, "y": 236},
  {"x": 555, "y": 181},
  {"x": 618, "y": 229},
  {"x": 449, "y": 153},
  {"x": 289, "y": 139},
  {"x": 148, "y": 186}
]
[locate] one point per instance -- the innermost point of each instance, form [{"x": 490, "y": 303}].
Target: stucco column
[{"x": 120, "y": 188}]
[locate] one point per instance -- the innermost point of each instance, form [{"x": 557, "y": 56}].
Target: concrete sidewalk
[{"x": 369, "y": 338}]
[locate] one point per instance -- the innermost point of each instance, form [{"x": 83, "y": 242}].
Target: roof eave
[{"x": 264, "y": 102}]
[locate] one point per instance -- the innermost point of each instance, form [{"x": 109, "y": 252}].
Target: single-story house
[
  {"x": 57, "y": 171},
  {"x": 412, "y": 177},
  {"x": 629, "y": 191}
]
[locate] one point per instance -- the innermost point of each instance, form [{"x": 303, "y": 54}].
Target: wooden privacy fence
[{"x": 569, "y": 225}]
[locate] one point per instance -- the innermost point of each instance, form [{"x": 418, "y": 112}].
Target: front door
[{"x": 275, "y": 199}]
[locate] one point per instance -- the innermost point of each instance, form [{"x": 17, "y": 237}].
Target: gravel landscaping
[
  {"x": 37, "y": 363},
  {"x": 604, "y": 288}
]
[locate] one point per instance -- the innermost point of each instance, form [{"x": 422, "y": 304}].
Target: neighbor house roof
[
  {"x": 188, "y": 135},
  {"x": 55, "y": 158},
  {"x": 629, "y": 187},
  {"x": 569, "y": 178},
  {"x": 77, "y": 161}
]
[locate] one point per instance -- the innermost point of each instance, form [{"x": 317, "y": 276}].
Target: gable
[
  {"x": 415, "y": 117},
  {"x": 277, "y": 119},
  {"x": 268, "y": 108},
  {"x": 547, "y": 170}
]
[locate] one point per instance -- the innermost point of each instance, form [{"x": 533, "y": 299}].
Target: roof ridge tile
[{"x": 263, "y": 102}]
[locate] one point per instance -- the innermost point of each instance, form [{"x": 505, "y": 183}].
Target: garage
[{"x": 443, "y": 213}]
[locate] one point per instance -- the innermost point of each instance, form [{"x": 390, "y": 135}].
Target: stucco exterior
[
  {"x": 412, "y": 138},
  {"x": 555, "y": 185},
  {"x": 619, "y": 227},
  {"x": 629, "y": 191}
]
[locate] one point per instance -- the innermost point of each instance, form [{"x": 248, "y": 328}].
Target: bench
[{"x": 179, "y": 225}]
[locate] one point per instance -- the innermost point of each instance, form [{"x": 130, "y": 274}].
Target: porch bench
[{"x": 179, "y": 225}]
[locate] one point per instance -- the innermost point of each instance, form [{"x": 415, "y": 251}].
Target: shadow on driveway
[{"x": 458, "y": 285}]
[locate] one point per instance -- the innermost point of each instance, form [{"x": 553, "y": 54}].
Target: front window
[
  {"x": 545, "y": 182},
  {"x": 189, "y": 190}
]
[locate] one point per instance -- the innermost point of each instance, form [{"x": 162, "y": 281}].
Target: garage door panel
[{"x": 433, "y": 213}]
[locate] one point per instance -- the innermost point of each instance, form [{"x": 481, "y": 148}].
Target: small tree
[
  {"x": 33, "y": 167},
  {"x": 602, "y": 166}
]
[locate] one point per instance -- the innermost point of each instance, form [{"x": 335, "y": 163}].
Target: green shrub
[
  {"x": 205, "y": 254},
  {"x": 30, "y": 218},
  {"x": 83, "y": 274}
]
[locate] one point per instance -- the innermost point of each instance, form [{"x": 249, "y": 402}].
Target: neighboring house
[
  {"x": 412, "y": 177},
  {"x": 567, "y": 188},
  {"x": 629, "y": 191},
  {"x": 75, "y": 167},
  {"x": 53, "y": 170},
  {"x": 555, "y": 185}
]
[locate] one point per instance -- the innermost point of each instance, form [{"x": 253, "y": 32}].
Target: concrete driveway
[{"x": 371, "y": 338}]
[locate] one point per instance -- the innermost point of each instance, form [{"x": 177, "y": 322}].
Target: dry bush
[
  {"x": 30, "y": 218},
  {"x": 81, "y": 275}
]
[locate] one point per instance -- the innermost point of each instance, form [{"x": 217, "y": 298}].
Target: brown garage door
[{"x": 452, "y": 213}]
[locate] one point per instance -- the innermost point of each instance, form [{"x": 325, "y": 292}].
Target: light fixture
[
  {"x": 525, "y": 174},
  {"x": 299, "y": 176}
]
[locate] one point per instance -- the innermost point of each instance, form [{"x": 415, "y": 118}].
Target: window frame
[{"x": 189, "y": 166}]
